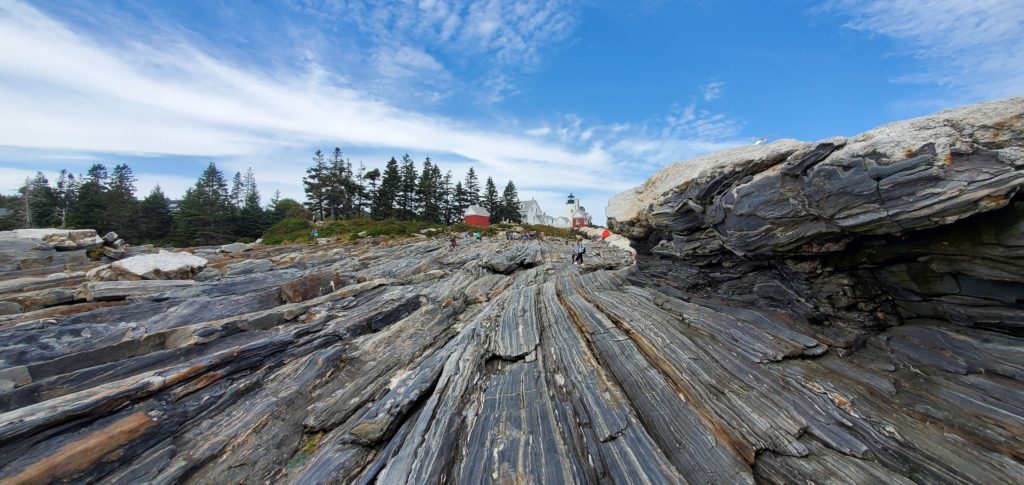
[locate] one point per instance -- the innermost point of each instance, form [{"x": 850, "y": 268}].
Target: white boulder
[
  {"x": 236, "y": 247},
  {"x": 164, "y": 265}
]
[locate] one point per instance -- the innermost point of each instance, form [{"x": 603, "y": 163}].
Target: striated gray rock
[
  {"x": 249, "y": 266},
  {"x": 858, "y": 355},
  {"x": 119, "y": 290}
]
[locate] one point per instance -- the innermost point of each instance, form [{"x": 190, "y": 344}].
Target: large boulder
[
  {"x": 59, "y": 239},
  {"x": 164, "y": 265},
  {"x": 777, "y": 198}
]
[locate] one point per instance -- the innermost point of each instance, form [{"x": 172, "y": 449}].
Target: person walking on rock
[
  {"x": 580, "y": 251},
  {"x": 454, "y": 244}
]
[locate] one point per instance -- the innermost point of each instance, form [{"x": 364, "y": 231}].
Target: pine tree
[
  {"x": 334, "y": 182},
  {"x": 459, "y": 202},
  {"x": 428, "y": 193},
  {"x": 90, "y": 207},
  {"x": 358, "y": 191},
  {"x": 251, "y": 220},
  {"x": 204, "y": 215},
  {"x": 236, "y": 190},
  {"x": 65, "y": 193},
  {"x": 447, "y": 199},
  {"x": 509, "y": 210},
  {"x": 371, "y": 178},
  {"x": 121, "y": 215},
  {"x": 490, "y": 200},
  {"x": 384, "y": 201},
  {"x": 407, "y": 190},
  {"x": 156, "y": 224},
  {"x": 42, "y": 203},
  {"x": 315, "y": 185},
  {"x": 472, "y": 188}
]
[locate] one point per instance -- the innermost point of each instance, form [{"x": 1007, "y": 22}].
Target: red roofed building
[{"x": 477, "y": 216}]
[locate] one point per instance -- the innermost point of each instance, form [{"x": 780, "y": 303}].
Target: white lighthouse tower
[{"x": 571, "y": 206}]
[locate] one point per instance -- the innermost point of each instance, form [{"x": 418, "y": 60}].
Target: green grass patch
[{"x": 289, "y": 229}]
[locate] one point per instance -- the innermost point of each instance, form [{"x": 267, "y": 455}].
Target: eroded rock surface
[{"x": 858, "y": 355}]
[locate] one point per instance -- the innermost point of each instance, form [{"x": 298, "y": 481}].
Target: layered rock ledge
[{"x": 810, "y": 337}]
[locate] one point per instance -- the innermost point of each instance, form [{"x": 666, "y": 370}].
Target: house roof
[
  {"x": 529, "y": 203},
  {"x": 475, "y": 210}
]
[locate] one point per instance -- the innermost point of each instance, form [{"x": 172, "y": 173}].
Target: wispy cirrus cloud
[
  {"x": 972, "y": 47},
  {"x": 712, "y": 90},
  {"x": 491, "y": 42}
]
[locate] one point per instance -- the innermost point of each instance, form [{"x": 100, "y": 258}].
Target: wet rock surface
[{"x": 866, "y": 355}]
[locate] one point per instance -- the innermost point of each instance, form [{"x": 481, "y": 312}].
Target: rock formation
[{"x": 846, "y": 311}]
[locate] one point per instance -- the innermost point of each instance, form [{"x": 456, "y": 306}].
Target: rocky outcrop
[
  {"x": 59, "y": 239},
  {"x": 855, "y": 356}
]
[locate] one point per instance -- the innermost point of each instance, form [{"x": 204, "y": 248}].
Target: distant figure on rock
[
  {"x": 580, "y": 250},
  {"x": 313, "y": 234},
  {"x": 477, "y": 236},
  {"x": 454, "y": 244}
]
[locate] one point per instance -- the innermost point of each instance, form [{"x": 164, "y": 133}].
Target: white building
[{"x": 533, "y": 214}]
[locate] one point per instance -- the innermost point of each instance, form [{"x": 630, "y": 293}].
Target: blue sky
[{"x": 589, "y": 97}]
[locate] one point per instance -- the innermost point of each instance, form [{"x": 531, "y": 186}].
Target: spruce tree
[
  {"x": 407, "y": 190},
  {"x": 370, "y": 178},
  {"x": 510, "y": 205},
  {"x": 251, "y": 220},
  {"x": 446, "y": 198},
  {"x": 315, "y": 185},
  {"x": 490, "y": 199},
  {"x": 156, "y": 224},
  {"x": 358, "y": 191},
  {"x": 459, "y": 202},
  {"x": 90, "y": 207},
  {"x": 42, "y": 201},
  {"x": 335, "y": 187},
  {"x": 472, "y": 188},
  {"x": 236, "y": 190},
  {"x": 384, "y": 201},
  {"x": 204, "y": 215},
  {"x": 121, "y": 215},
  {"x": 65, "y": 193},
  {"x": 428, "y": 193}
]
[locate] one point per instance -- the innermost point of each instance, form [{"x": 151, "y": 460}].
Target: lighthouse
[
  {"x": 571, "y": 206},
  {"x": 576, "y": 214}
]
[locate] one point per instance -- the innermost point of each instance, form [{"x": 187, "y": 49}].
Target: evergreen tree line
[
  {"x": 336, "y": 190},
  {"x": 211, "y": 212}
]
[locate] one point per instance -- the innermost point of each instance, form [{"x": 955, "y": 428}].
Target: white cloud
[
  {"x": 970, "y": 46},
  {"x": 65, "y": 92},
  {"x": 712, "y": 90}
]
